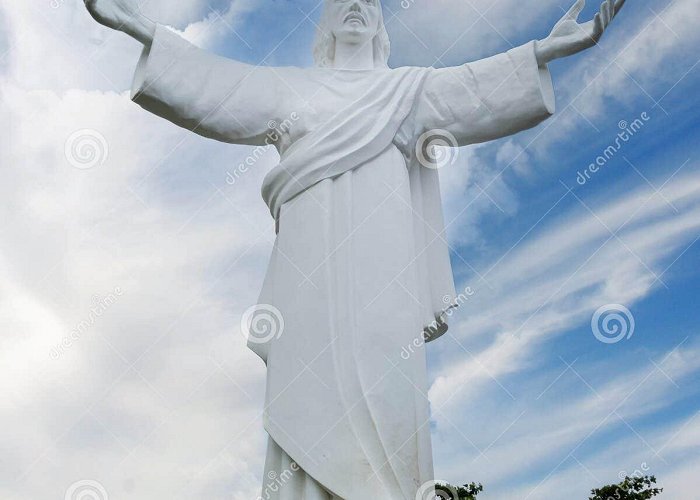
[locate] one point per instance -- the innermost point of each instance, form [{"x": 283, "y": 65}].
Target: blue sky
[{"x": 159, "y": 398}]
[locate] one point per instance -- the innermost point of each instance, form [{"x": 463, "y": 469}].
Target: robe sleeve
[
  {"x": 210, "y": 95},
  {"x": 487, "y": 99}
]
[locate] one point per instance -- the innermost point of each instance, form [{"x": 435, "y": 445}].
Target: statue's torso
[{"x": 314, "y": 97}]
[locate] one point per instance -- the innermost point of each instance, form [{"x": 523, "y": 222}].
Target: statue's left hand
[
  {"x": 569, "y": 37},
  {"x": 122, "y": 15}
]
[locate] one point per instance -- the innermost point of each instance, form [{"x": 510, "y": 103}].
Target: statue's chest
[{"x": 320, "y": 103}]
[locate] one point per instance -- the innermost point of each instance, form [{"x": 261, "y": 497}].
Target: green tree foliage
[
  {"x": 632, "y": 488},
  {"x": 466, "y": 492}
]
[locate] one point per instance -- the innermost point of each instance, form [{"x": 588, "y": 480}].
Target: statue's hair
[{"x": 324, "y": 47}]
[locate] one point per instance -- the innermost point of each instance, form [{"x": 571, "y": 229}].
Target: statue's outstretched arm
[
  {"x": 210, "y": 95},
  {"x": 571, "y": 37},
  {"x": 123, "y": 15}
]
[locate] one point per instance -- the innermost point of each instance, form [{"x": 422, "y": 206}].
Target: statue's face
[{"x": 354, "y": 21}]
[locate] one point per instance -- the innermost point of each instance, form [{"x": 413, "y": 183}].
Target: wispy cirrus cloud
[
  {"x": 616, "y": 252},
  {"x": 574, "y": 411}
]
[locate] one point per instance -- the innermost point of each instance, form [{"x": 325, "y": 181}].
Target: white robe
[{"x": 360, "y": 266}]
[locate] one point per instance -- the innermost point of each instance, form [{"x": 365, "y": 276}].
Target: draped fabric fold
[{"x": 356, "y": 134}]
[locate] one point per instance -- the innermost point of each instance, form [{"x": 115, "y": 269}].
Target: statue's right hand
[
  {"x": 122, "y": 15},
  {"x": 115, "y": 14}
]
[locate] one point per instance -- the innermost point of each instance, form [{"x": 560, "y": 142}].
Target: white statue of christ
[{"x": 360, "y": 267}]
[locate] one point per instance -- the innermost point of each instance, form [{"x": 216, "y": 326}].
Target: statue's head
[{"x": 354, "y": 22}]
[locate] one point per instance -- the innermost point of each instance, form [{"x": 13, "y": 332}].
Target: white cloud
[
  {"x": 217, "y": 26},
  {"x": 188, "y": 259}
]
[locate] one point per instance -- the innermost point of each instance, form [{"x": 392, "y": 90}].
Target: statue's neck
[{"x": 354, "y": 56}]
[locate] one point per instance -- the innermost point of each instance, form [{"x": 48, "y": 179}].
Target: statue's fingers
[
  {"x": 605, "y": 13},
  {"x": 598, "y": 27},
  {"x": 618, "y": 6},
  {"x": 576, "y": 9}
]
